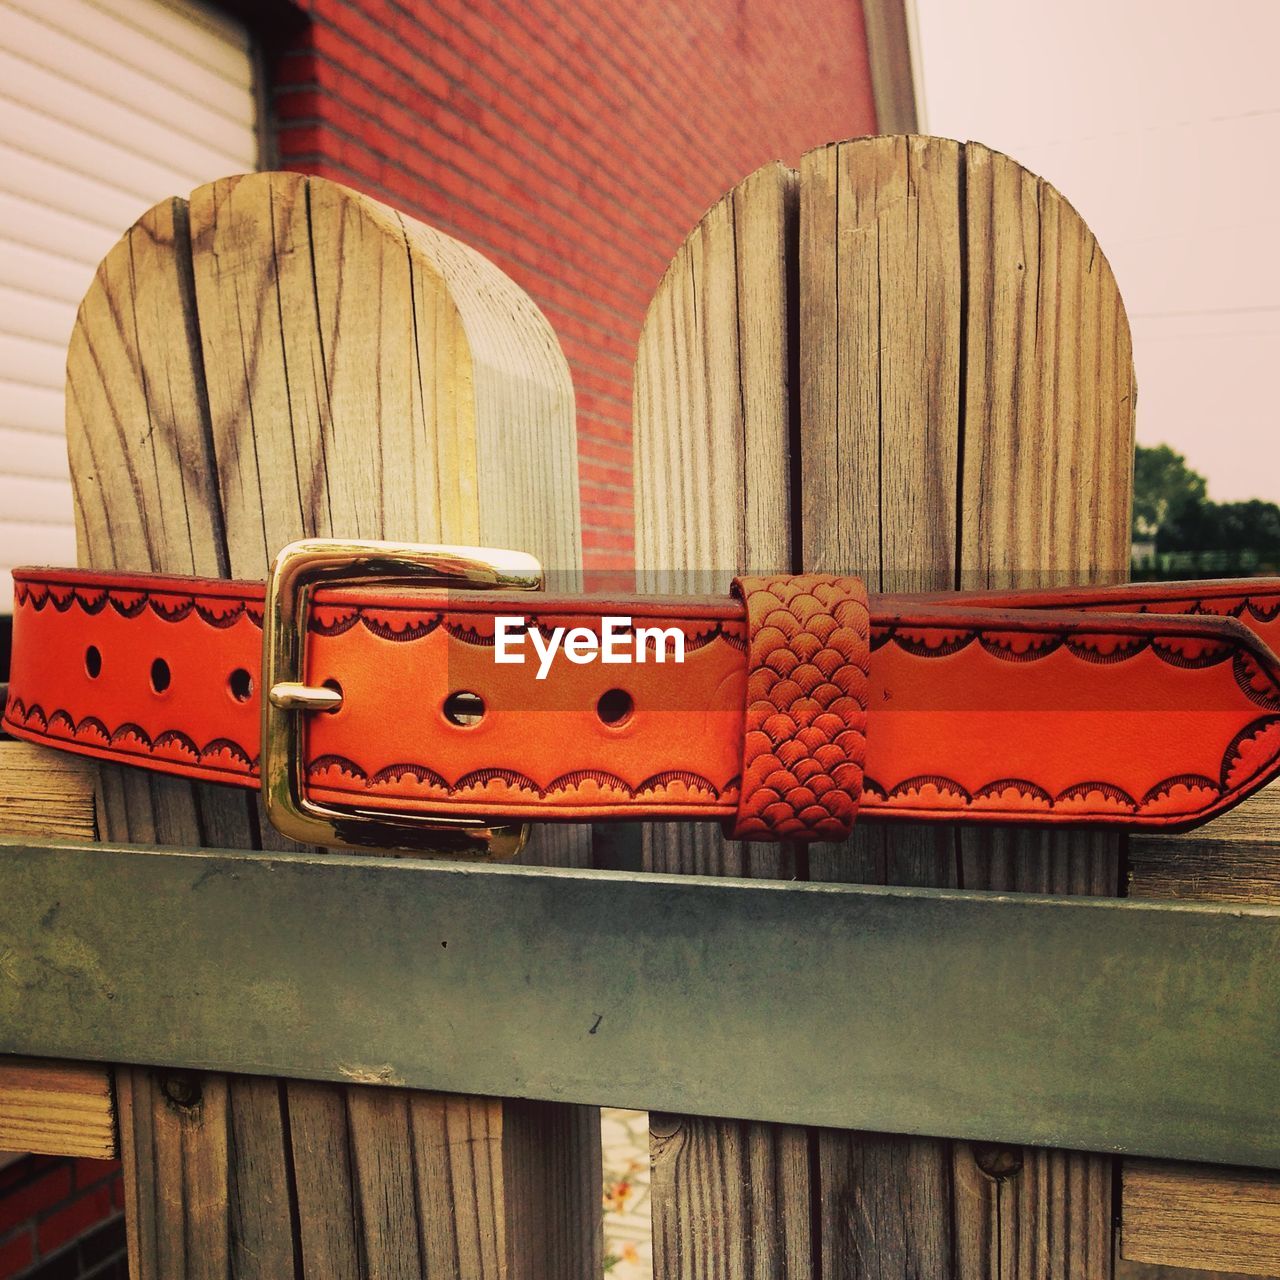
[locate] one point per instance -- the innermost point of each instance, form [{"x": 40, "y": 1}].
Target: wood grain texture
[
  {"x": 712, "y": 399},
  {"x": 1045, "y": 495},
  {"x": 282, "y": 357},
  {"x": 1174, "y": 1215},
  {"x": 864, "y": 327},
  {"x": 948, "y": 311},
  {"x": 56, "y": 1108},
  {"x": 730, "y": 1197},
  {"x": 712, "y": 434},
  {"x": 48, "y": 794},
  {"x": 52, "y": 1108},
  {"x": 880, "y": 339},
  {"x": 881, "y": 317},
  {"x": 1258, "y": 818},
  {"x": 1047, "y": 477},
  {"x": 1202, "y": 1216},
  {"x": 1234, "y": 858}
]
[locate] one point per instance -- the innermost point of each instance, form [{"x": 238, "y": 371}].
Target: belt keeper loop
[{"x": 805, "y": 721}]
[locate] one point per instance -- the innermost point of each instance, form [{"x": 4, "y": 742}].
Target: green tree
[
  {"x": 1231, "y": 527},
  {"x": 1193, "y": 536},
  {"x": 1163, "y": 486}
]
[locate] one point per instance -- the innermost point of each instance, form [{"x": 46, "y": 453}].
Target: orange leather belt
[{"x": 799, "y": 703}]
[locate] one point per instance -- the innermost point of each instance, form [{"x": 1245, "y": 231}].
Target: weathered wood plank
[
  {"x": 1234, "y": 869},
  {"x": 1234, "y": 858},
  {"x": 1203, "y": 1216},
  {"x": 712, "y": 398},
  {"x": 730, "y": 1198},
  {"x": 881, "y": 265},
  {"x": 1045, "y": 495},
  {"x": 961, "y": 379},
  {"x": 1178, "y": 1215},
  {"x": 53, "y": 1108},
  {"x": 56, "y": 1108},
  {"x": 713, "y": 414},
  {"x": 1258, "y": 817},
  {"x": 146, "y": 498},
  {"x": 46, "y": 793},
  {"x": 287, "y": 358},
  {"x": 328, "y": 1223},
  {"x": 880, "y": 322},
  {"x": 1049, "y": 389}
]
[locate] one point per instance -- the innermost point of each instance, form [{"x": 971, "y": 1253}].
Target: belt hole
[
  {"x": 160, "y": 676},
  {"x": 93, "y": 661},
  {"x": 464, "y": 708},
  {"x": 615, "y": 707},
  {"x": 331, "y": 683},
  {"x": 240, "y": 685}
]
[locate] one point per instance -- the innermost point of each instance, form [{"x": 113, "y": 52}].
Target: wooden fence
[{"x": 907, "y": 360}]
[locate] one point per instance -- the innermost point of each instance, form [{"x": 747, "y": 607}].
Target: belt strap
[{"x": 1134, "y": 707}]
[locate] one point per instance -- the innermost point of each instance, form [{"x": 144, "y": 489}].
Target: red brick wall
[
  {"x": 61, "y": 1218},
  {"x": 575, "y": 144}
]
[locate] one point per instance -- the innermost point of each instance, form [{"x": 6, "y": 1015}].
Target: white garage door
[{"x": 106, "y": 106}]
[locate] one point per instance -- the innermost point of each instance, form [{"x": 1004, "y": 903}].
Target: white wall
[
  {"x": 1160, "y": 121},
  {"x": 106, "y": 106}
]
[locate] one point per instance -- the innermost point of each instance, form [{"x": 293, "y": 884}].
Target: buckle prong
[
  {"x": 297, "y": 571},
  {"x": 288, "y": 695}
]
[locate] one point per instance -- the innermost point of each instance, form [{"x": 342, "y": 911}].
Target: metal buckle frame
[{"x": 297, "y": 570}]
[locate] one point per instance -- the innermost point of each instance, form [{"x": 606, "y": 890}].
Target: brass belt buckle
[{"x": 297, "y": 570}]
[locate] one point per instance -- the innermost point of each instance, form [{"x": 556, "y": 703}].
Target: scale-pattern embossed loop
[{"x": 805, "y": 728}]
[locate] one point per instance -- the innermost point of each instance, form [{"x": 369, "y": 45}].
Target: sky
[{"x": 1160, "y": 121}]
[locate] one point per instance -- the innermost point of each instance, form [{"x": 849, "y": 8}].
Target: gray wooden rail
[{"x": 813, "y": 1004}]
